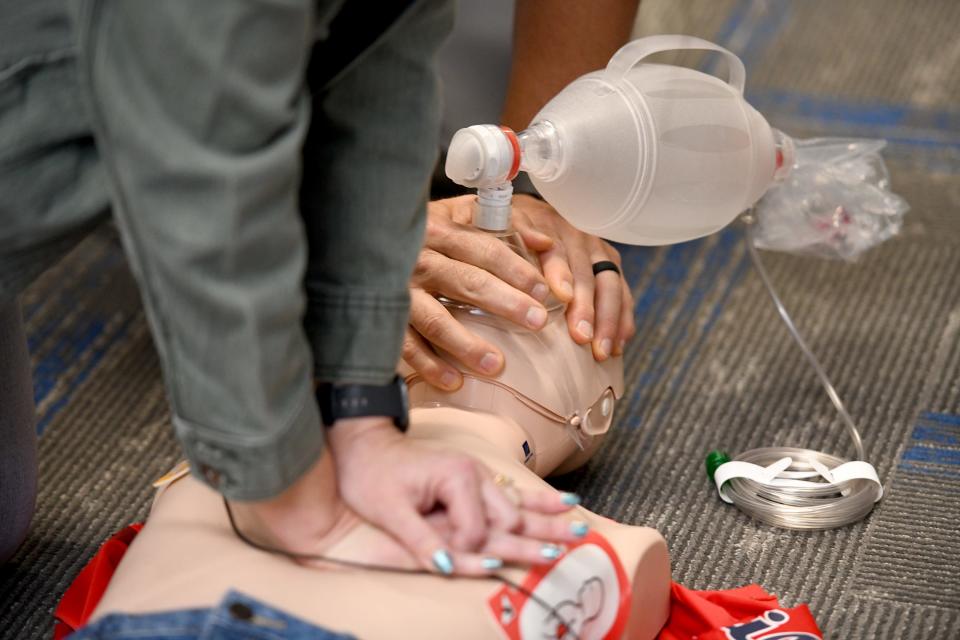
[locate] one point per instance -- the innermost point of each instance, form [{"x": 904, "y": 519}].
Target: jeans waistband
[{"x": 236, "y": 616}]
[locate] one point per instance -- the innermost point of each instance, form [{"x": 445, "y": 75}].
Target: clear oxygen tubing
[{"x": 802, "y": 505}]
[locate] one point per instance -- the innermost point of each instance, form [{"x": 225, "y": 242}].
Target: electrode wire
[
  {"x": 792, "y": 501},
  {"x": 366, "y": 566}
]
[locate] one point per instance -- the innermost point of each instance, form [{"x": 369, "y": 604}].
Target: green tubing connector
[{"x": 714, "y": 459}]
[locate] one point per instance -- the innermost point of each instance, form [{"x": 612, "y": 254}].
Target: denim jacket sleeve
[
  {"x": 200, "y": 113},
  {"x": 206, "y": 127},
  {"x": 368, "y": 157}
]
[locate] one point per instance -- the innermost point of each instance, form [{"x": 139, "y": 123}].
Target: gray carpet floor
[{"x": 711, "y": 366}]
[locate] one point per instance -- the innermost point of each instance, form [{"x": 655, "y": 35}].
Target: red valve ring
[{"x": 515, "y": 143}]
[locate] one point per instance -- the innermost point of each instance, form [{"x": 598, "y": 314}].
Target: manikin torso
[{"x": 188, "y": 557}]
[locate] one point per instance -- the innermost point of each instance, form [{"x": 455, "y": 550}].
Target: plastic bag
[{"x": 835, "y": 203}]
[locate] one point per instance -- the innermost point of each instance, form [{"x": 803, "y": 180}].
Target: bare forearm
[{"x": 556, "y": 41}]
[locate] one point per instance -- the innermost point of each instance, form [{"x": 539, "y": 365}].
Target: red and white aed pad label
[{"x": 585, "y": 595}]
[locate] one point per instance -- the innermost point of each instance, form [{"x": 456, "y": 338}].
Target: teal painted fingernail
[
  {"x": 570, "y": 499},
  {"x": 443, "y": 562},
  {"x": 491, "y": 564},
  {"x": 551, "y": 551},
  {"x": 579, "y": 529}
]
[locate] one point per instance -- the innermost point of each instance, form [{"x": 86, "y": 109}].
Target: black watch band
[{"x": 339, "y": 401}]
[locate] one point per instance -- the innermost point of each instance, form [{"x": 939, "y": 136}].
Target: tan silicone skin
[
  {"x": 545, "y": 367},
  {"x": 187, "y": 556}
]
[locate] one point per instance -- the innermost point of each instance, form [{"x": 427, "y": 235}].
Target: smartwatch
[{"x": 339, "y": 401}]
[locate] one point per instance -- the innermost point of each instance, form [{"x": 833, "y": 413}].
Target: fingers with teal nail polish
[
  {"x": 551, "y": 551},
  {"x": 443, "y": 562},
  {"x": 579, "y": 529},
  {"x": 569, "y": 499},
  {"x": 476, "y": 565}
]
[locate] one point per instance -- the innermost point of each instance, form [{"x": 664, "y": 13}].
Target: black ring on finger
[{"x": 605, "y": 265}]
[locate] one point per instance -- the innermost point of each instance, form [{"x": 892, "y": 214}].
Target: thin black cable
[{"x": 293, "y": 555}]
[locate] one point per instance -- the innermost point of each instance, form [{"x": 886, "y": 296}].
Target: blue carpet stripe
[
  {"x": 89, "y": 274},
  {"x": 937, "y": 434},
  {"x": 653, "y": 302},
  {"x": 874, "y": 114},
  {"x": 715, "y": 260},
  {"x": 68, "y": 350},
  {"x": 933, "y": 455},
  {"x": 658, "y": 421},
  {"x": 635, "y": 261},
  {"x": 915, "y": 128},
  {"x": 749, "y": 28},
  {"x": 723, "y": 35},
  {"x": 937, "y": 472},
  {"x": 651, "y": 374},
  {"x": 942, "y": 418},
  {"x": 760, "y": 21},
  {"x": 899, "y": 124},
  {"x": 69, "y": 298},
  {"x": 935, "y": 441},
  {"x": 762, "y": 32},
  {"x": 100, "y": 349}
]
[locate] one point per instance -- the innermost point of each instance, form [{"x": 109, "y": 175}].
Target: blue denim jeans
[{"x": 236, "y": 617}]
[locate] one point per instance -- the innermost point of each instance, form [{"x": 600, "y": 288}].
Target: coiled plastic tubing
[{"x": 791, "y": 487}]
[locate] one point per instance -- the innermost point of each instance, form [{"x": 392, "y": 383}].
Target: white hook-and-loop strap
[{"x": 776, "y": 475}]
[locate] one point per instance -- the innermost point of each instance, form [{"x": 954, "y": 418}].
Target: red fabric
[
  {"x": 85, "y": 591},
  {"x": 745, "y": 613}
]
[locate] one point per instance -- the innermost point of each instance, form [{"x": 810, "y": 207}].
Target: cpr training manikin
[
  {"x": 615, "y": 582},
  {"x": 673, "y": 174},
  {"x": 612, "y": 583}
]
